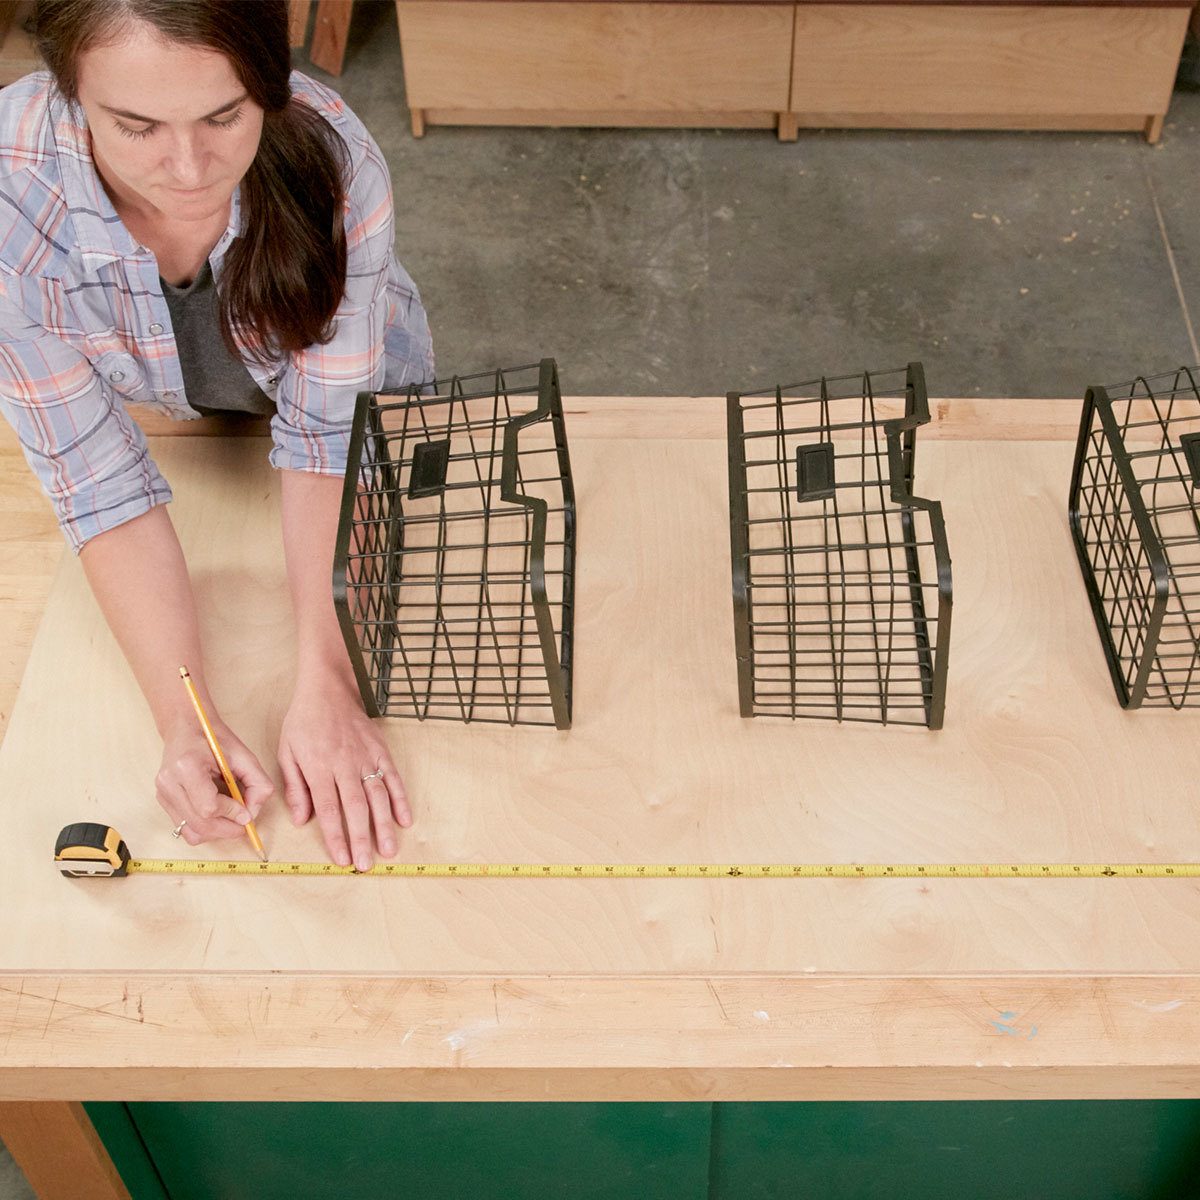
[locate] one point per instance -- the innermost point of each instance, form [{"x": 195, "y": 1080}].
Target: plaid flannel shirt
[{"x": 84, "y": 328}]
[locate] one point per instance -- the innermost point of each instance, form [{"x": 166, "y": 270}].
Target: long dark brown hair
[{"x": 284, "y": 277}]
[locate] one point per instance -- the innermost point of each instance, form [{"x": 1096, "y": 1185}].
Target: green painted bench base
[{"x": 1006, "y": 1150}]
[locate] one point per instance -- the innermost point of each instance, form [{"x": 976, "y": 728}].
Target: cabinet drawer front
[
  {"x": 1011, "y": 60},
  {"x": 611, "y": 57}
]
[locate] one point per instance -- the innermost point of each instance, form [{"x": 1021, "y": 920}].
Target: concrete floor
[
  {"x": 677, "y": 262},
  {"x": 12, "y": 1182}
]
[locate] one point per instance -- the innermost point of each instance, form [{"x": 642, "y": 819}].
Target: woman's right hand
[
  {"x": 140, "y": 580},
  {"x": 191, "y": 789}
]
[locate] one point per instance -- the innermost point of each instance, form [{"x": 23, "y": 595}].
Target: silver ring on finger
[
  {"x": 373, "y": 775},
  {"x": 178, "y": 829}
]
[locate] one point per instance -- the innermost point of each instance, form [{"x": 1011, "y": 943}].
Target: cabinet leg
[
  {"x": 1154, "y": 127},
  {"x": 418, "y": 122},
  {"x": 788, "y": 127},
  {"x": 332, "y": 27},
  {"x": 298, "y": 11},
  {"x": 54, "y": 1143}
]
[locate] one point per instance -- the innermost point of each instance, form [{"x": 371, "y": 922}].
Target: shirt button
[
  {"x": 168, "y": 395},
  {"x": 273, "y": 379},
  {"x": 156, "y": 328},
  {"x": 116, "y": 376}
]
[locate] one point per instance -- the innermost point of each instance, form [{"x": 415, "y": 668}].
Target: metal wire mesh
[
  {"x": 841, "y": 576},
  {"x": 1137, "y": 533},
  {"x": 454, "y": 574}
]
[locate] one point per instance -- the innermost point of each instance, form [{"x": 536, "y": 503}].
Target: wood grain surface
[
  {"x": 606, "y": 58},
  {"x": 1010, "y": 61},
  {"x": 820, "y": 1037},
  {"x": 59, "y": 1152},
  {"x": 1036, "y": 762}
]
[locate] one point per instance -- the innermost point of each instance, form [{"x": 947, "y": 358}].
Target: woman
[{"x": 190, "y": 226}]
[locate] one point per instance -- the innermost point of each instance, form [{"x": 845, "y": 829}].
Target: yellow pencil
[{"x": 215, "y": 747}]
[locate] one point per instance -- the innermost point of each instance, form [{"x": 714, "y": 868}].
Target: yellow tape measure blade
[{"x": 91, "y": 849}]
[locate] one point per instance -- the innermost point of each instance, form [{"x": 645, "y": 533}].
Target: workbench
[{"x": 162, "y": 988}]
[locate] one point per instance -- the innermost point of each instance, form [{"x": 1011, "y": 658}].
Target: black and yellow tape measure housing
[{"x": 89, "y": 848}]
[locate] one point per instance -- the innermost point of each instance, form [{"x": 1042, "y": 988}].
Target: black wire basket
[
  {"x": 454, "y": 572},
  {"x": 1137, "y": 533},
  {"x": 841, "y": 575}
]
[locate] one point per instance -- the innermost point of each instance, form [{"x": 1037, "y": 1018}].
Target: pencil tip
[{"x": 183, "y": 672}]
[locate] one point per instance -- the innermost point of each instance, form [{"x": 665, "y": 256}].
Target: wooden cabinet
[
  {"x": 515, "y": 63},
  {"x": 1059, "y": 65},
  {"x": 970, "y": 66},
  {"x": 18, "y": 55}
]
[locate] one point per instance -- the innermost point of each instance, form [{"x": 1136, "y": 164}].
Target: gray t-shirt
[{"x": 214, "y": 380}]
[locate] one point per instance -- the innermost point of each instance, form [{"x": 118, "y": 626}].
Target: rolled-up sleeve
[
  {"x": 88, "y": 454},
  {"x": 318, "y": 387}
]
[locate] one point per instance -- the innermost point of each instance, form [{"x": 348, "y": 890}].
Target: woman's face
[{"x": 173, "y": 130}]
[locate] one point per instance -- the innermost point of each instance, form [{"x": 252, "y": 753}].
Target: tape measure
[{"x": 90, "y": 849}]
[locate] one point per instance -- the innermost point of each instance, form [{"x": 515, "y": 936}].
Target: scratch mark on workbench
[
  {"x": 1166, "y": 1006},
  {"x": 716, "y": 940},
  {"x": 377, "y": 1016},
  {"x": 204, "y": 953},
  {"x": 87, "y": 1008},
  {"x": 351, "y": 1006},
  {"x": 496, "y": 1001},
  {"x": 1106, "y": 1017},
  {"x": 50, "y": 1014},
  {"x": 209, "y": 1009},
  {"x": 16, "y": 1012},
  {"x": 720, "y": 1003},
  {"x": 527, "y": 996},
  {"x": 760, "y": 1015},
  {"x": 469, "y": 1034}
]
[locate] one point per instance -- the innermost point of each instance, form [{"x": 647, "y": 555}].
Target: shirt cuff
[
  {"x": 84, "y": 515},
  {"x": 319, "y": 452}
]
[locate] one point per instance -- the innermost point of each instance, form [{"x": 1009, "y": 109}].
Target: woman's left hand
[{"x": 328, "y": 749}]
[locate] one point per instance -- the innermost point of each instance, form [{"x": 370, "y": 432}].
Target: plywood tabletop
[{"x": 1036, "y": 763}]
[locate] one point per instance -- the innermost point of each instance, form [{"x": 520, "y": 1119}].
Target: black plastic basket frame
[
  {"x": 1136, "y": 529},
  {"x": 454, "y": 569},
  {"x": 853, "y": 622}
]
